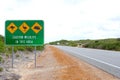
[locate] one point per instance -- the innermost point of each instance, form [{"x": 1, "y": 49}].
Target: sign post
[
  {"x": 12, "y": 56},
  {"x": 24, "y": 33},
  {"x": 35, "y": 56}
]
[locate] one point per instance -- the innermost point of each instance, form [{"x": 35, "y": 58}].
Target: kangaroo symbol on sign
[{"x": 12, "y": 27}]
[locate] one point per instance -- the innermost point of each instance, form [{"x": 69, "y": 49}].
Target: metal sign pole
[
  {"x": 35, "y": 56},
  {"x": 12, "y": 56}
]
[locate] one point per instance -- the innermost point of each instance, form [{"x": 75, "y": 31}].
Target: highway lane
[{"x": 108, "y": 61}]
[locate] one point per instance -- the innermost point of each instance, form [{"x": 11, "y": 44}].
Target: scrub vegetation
[{"x": 107, "y": 44}]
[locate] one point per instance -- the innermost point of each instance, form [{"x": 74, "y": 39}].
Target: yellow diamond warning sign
[
  {"x": 36, "y": 27},
  {"x": 12, "y": 28},
  {"x": 24, "y": 27}
]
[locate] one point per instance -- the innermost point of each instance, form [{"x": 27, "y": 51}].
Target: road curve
[{"x": 108, "y": 61}]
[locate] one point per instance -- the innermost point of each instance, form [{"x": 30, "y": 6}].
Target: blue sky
[{"x": 67, "y": 19}]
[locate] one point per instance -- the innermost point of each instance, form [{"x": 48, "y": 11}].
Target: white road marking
[{"x": 96, "y": 60}]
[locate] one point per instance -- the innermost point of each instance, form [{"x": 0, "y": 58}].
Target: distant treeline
[{"x": 107, "y": 44}]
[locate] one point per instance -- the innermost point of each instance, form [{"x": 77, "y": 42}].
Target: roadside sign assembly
[{"x": 24, "y": 32}]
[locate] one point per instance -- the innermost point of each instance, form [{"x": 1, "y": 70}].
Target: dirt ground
[{"x": 54, "y": 64}]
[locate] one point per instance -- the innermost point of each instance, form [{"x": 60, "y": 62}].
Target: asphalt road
[{"x": 108, "y": 61}]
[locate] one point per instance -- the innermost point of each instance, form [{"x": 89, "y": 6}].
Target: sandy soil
[{"x": 54, "y": 64}]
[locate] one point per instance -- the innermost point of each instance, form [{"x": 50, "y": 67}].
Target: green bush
[
  {"x": 1, "y": 69},
  {"x": 1, "y": 58},
  {"x": 40, "y": 48},
  {"x": 2, "y": 47}
]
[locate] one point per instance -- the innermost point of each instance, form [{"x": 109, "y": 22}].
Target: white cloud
[{"x": 67, "y": 19}]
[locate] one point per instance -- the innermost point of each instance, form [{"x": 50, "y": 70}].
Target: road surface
[{"x": 108, "y": 61}]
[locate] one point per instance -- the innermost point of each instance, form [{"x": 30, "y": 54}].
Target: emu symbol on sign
[{"x": 24, "y": 27}]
